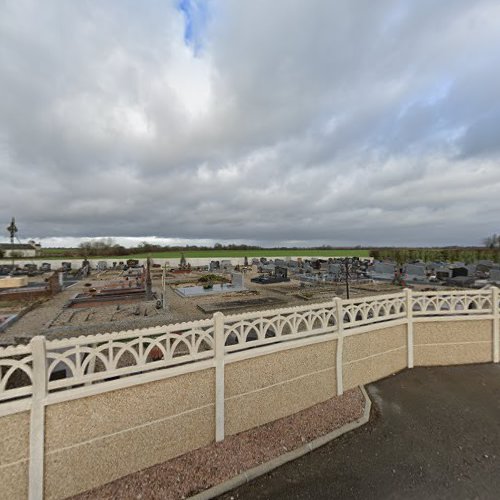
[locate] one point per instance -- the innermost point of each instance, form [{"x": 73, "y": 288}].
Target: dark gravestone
[
  {"x": 459, "y": 271},
  {"x": 280, "y": 275},
  {"x": 281, "y": 272}
]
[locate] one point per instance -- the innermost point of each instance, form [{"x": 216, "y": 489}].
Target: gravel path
[{"x": 201, "y": 469}]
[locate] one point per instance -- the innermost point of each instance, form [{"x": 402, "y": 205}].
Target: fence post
[
  {"x": 37, "y": 419},
  {"x": 409, "y": 326},
  {"x": 219, "y": 375},
  {"x": 496, "y": 324},
  {"x": 91, "y": 365},
  {"x": 340, "y": 346}
]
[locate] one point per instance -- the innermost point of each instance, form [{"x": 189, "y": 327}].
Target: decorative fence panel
[
  {"x": 16, "y": 372},
  {"x": 98, "y": 358},
  {"x": 365, "y": 311},
  {"x": 257, "y": 329},
  {"x": 454, "y": 302}
]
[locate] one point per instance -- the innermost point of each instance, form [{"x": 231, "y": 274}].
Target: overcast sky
[{"x": 273, "y": 122}]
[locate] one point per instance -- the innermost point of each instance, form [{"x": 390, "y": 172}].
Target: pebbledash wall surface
[{"x": 133, "y": 399}]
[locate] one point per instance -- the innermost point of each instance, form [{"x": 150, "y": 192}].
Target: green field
[
  {"x": 217, "y": 254},
  {"x": 251, "y": 253}
]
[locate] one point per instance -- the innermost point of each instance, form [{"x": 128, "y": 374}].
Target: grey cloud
[{"x": 346, "y": 122}]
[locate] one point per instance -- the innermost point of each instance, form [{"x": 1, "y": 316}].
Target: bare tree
[{"x": 492, "y": 241}]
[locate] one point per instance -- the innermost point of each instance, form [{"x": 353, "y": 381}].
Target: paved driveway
[{"x": 435, "y": 433}]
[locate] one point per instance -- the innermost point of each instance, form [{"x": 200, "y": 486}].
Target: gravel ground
[
  {"x": 201, "y": 469},
  {"x": 36, "y": 320},
  {"x": 53, "y": 321}
]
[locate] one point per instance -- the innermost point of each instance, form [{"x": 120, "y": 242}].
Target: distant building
[{"x": 21, "y": 250}]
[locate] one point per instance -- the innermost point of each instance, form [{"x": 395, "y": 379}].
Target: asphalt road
[{"x": 434, "y": 433}]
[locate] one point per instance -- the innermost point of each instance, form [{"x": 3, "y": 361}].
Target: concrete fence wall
[
  {"x": 374, "y": 355},
  {"x": 14, "y": 455},
  {"x": 292, "y": 380},
  {"x": 133, "y": 399},
  {"x": 92, "y": 440}
]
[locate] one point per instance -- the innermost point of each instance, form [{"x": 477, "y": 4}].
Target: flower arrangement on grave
[
  {"x": 212, "y": 278},
  {"x": 208, "y": 285},
  {"x": 208, "y": 280}
]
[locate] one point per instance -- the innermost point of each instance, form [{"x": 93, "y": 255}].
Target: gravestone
[
  {"x": 384, "y": 268},
  {"x": 443, "y": 273},
  {"x": 281, "y": 272},
  {"x": 266, "y": 268},
  {"x": 471, "y": 268},
  {"x": 415, "y": 270},
  {"x": 384, "y": 271},
  {"x": 334, "y": 268},
  {"x": 279, "y": 275},
  {"x": 495, "y": 275},
  {"x": 237, "y": 280},
  {"x": 416, "y": 273},
  {"x": 183, "y": 263},
  {"x": 459, "y": 271},
  {"x": 225, "y": 265}
]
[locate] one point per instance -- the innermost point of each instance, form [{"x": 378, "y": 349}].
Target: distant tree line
[
  {"x": 107, "y": 247},
  {"x": 146, "y": 247},
  {"x": 460, "y": 254},
  {"x": 104, "y": 247}
]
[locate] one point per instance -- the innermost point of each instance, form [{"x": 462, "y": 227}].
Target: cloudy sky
[{"x": 273, "y": 122}]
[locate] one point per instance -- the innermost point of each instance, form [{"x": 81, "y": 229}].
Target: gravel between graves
[
  {"x": 53, "y": 321},
  {"x": 205, "y": 467}
]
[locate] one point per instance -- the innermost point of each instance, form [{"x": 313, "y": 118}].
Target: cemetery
[{"x": 99, "y": 296}]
